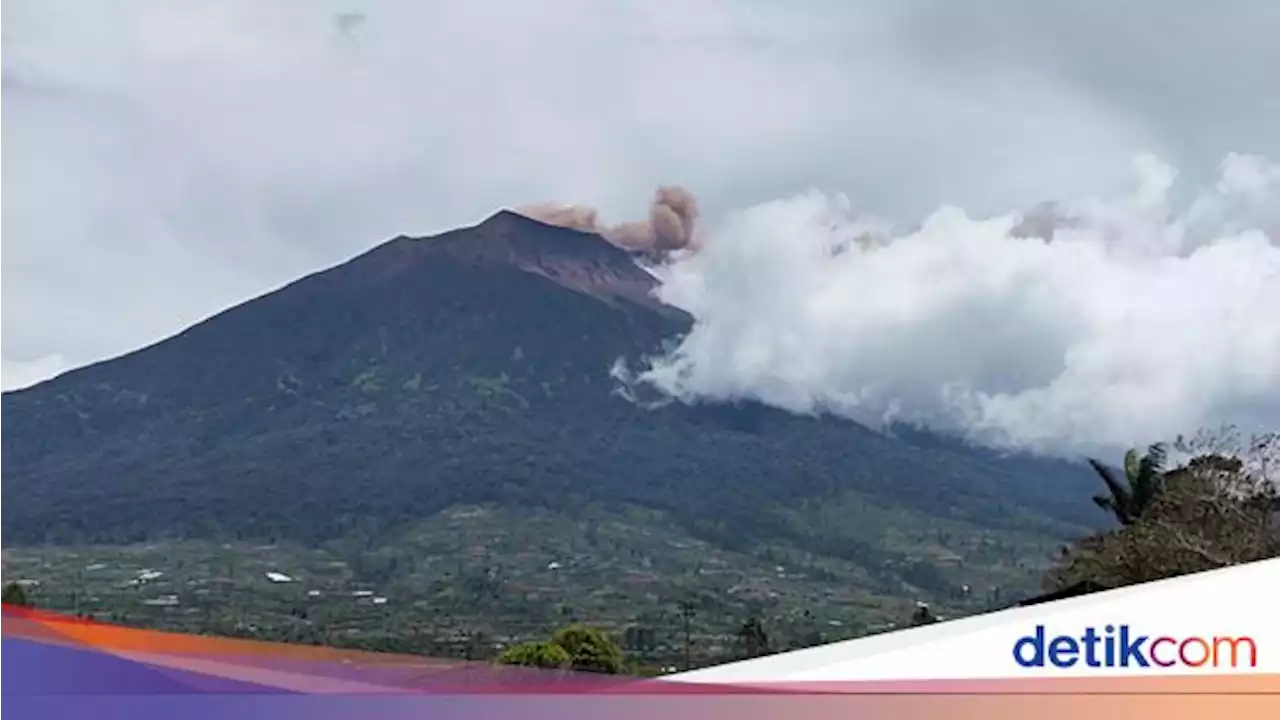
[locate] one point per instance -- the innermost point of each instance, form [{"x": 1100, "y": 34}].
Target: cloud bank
[{"x": 1113, "y": 321}]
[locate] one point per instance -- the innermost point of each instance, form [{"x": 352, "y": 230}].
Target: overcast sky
[{"x": 166, "y": 160}]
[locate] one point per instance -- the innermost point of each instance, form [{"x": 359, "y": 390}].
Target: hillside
[{"x": 472, "y": 368}]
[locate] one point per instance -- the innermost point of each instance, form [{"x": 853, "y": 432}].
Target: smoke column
[
  {"x": 673, "y": 214},
  {"x": 1100, "y": 323}
]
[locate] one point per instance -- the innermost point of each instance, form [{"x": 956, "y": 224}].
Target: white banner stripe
[{"x": 1190, "y": 624}]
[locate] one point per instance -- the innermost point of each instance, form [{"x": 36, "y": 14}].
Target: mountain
[{"x": 472, "y": 368}]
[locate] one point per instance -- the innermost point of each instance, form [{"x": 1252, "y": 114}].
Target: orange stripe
[{"x": 45, "y": 626}]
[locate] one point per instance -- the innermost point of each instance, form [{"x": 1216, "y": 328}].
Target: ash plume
[{"x": 673, "y": 215}]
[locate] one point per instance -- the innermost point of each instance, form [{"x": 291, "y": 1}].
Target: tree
[
  {"x": 1129, "y": 498},
  {"x": 755, "y": 641},
  {"x": 1214, "y": 511},
  {"x": 923, "y": 615},
  {"x": 14, "y": 594},
  {"x": 640, "y": 638},
  {"x": 546, "y": 655},
  {"x": 589, "y": 649}
]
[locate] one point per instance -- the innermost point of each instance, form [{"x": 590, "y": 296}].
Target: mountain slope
[{"x": 471, "y": 367}]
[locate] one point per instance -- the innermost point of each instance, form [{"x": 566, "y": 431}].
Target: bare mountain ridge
[{"x": 581, "y": 261}]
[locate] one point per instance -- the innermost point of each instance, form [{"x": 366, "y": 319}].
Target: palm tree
[{"x": 1143, "y": 481}]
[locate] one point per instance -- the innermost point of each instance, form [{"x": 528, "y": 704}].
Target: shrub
[{"x": 544, "y": 655}]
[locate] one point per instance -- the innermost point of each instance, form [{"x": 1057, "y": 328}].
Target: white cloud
[{"x": 1132, "y": 324}]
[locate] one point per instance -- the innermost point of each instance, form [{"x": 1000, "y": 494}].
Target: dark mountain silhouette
[{"x": 464, "y": 368}]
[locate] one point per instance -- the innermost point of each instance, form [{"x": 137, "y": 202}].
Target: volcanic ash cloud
[{"x": 673, "y": 215}]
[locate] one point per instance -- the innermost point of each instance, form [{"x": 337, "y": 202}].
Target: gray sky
[{"x": 167, "y": 160}]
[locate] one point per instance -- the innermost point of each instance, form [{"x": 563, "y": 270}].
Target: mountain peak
[
  {"x": 581, "y": 261},
  {"x": 510, "y": 220}
]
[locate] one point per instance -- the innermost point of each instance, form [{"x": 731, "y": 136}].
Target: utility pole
[
  {"x": 686, "y": 612},
  {"x": 79, "y": 591}
]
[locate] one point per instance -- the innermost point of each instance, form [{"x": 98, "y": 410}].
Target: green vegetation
[
  {"x": 755, "y": 641},
  {"x": 488, "y": 582},
  {"x": 15, "y": 595},
  {"x": 475, "y": 577},
  {"x": 1217, "y": 509},
  {"x": 589, "y": 649},
  {"x": 1143, "y": 481},
  {"x": 575, "y": 647},
  {"x": 546, "y": 655}
]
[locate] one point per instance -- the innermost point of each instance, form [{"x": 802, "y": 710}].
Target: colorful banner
[{"x": 1191, "y": 647}]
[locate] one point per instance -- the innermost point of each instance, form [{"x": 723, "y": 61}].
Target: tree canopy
[
  {"x": 590, "y": 649},
  {"x": 754, "y": 639},
  {"x": 577, "y": 647},
  {"x": 14, "y": 594},
  {"x": 545, "y": 655},
  {"x": 1215, "y": 510}
]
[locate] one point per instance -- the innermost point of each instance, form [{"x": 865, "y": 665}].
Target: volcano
[{"x": 469, "y": 367}]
